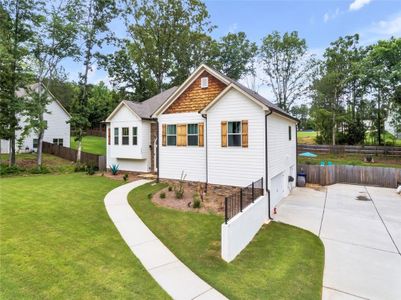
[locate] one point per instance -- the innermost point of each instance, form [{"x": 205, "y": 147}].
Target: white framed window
[
  {"x": 125, "y": 136},
  {"x": 171, "y": 135},
  {"x": 193, "y": 134},
  {"x": 59, "y": 142},
  {"x": 35, "y": 143},
  {"x": 134, "y": 136},
  {"x": 116, "y": 131},
  {"x": 234, "y": 135},
  {"x": 204, "y": 82}
]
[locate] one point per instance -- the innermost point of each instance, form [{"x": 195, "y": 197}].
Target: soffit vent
[{"x": 204, "y": 82}]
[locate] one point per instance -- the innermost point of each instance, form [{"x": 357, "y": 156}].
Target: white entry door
[{"x": 277, "y": 190}]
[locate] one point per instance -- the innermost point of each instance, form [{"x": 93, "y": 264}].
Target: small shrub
[
  {"x": 40, "y": 170},
  {"x": 162, "y": 195},
  {"x": 79, "y": 168},
  {"x": 90, "y": 170},
  {"x": 114, "y": 169},
  {"x": 170, "y": 188},
  {"x": 125, "y": 177},
  {"x": 150, "y": 195},
  {"x": 179, "y": 189},
  {"x": 196, "y": 203},
  {"x": 6, "y": 170}
]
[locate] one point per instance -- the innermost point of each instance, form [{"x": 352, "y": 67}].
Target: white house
[
  {"x": 212, "y": 129},
  {"x": 57, "y": 132}
]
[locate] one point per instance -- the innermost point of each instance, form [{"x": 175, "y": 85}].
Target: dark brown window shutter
[
  {"x": 164, "y": 138},
  {"x": 245, "y": 133},
  {"x": 201, "y": 142},
  {"x": 223, "y": 133}
]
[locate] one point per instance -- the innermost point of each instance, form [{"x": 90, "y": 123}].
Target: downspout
[
  {"x": 267, "y": 166},
  {"x": 157, "y": 151},
  {"x": 205, "y": 134}
]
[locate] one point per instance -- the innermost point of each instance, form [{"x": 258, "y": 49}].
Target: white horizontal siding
[
  {"x": 281, "y": 150},
  {"x": 57, "y": 128},
  {"x": 177, "y": 159},
  {"x": 235, "y": 165},
  {"x": 125, "y": 118}
]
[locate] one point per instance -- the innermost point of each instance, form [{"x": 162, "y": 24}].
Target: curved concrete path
[{"x": 171, "y": 274}]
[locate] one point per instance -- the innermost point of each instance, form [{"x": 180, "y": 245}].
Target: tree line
[{"x": 163, "y": 42}]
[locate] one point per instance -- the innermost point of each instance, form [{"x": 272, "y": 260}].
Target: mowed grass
[
  {"x": 91, "y": 144},
  {"x": 282, "y": 262},
  {"x": 57, "y": 242},
  {"x": 306, "y": 137}
]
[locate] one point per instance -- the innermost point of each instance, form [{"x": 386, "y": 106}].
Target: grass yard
[
  {"x": 352, "y": 159},
  {"x": 306, "y": 137},
  {"x": 26, "y": 163},
  {"x": 57, "y": 242},
  {"x": 91, "y": 144},
  {"x": 282, "y": 262}
]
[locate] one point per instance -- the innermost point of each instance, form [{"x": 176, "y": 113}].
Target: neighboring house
[
  {"x": 212, "y": 129},
  {"x": 57, "y": 132}
]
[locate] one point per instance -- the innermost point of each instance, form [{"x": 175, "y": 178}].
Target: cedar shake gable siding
[{"x": 195, "y": 98}]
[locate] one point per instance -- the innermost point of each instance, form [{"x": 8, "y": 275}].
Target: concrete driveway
[{"x": 361, "y": 231}]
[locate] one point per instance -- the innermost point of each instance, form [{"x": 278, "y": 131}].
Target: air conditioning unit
[{"x": 204, "y": 82}]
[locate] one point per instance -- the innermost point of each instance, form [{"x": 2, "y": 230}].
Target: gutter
[
  {"x": 157, "y": 151},
  {"x": 205, "y": 135},
  {"x": 267, "y": 165}
]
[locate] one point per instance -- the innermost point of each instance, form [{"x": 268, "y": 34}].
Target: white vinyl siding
[
  {"x": 174, "y": 159},
  {"x": 236, "y": 166}
]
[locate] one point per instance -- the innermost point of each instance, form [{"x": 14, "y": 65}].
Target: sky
[{"x": 319, "y": 22}]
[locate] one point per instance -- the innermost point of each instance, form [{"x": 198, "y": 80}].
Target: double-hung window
[
  {"x": 234, "y": 134},
  {"x": 35, "y": 143},
  {"x": 171, "y": 135},
  {"x": 116, "y": 136},
  {"x": 134, "y": 136},
  {"x": 59, "y": 142},
  {"x": 193, "y": 134},
  {"x": 125, "y": 136}
]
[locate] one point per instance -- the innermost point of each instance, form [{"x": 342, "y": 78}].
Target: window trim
[
  {"x": 56, "y": 141},
  {"x": 124, "y": 136},
  {"x": 116, "y": 136},
  {"x": 169, "y": 134},
  {"x": 33, "y": 143},
  {"x": 228, "y": 133},
  {"x": 134, "y": 136},
  {"x": 192, "y": 134}
]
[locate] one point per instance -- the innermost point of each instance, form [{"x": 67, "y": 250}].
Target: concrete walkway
[
  {"x": 361, "y": 231},
  {"x": 171, "y": 274}
]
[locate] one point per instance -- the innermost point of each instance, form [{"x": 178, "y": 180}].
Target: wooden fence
[
  {"x": 326, "y": 175},
  {"x": 341, "y": 149},
  {"x": 71, "y": 154}
]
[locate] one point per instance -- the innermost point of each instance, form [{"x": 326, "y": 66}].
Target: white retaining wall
[{"x": 240, "y": 230}]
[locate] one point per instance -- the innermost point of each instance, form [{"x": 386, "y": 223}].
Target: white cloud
[
  {"x": 358, "y": 4},
  {"x": 233, "y": 28},
  {"x": 389, "y": 27},
  {"x": 331, "y": 16}
]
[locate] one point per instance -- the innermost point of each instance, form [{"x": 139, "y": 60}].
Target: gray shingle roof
[{"x": 146, "y": 108}]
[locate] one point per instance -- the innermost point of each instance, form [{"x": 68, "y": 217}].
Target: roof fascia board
[{"x": 184, "y": 85}]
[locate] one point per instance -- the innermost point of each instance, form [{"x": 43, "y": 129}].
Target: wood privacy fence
[
  {"x": 71, "y": 154},
  {"x": 341, "y": 149},
  {"x": 96, "y": 132},
  {"x": 326, "y": 175}
]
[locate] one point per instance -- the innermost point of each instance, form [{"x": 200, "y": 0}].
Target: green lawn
[
  {"x": 282, "y": 262},
  {"x": 351, "y": 159},
  {"x": 57, "y": 242},
  {"x": 91, "y": 144}
]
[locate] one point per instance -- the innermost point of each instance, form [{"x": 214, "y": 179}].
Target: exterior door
[{"x": 277, "y": 190}]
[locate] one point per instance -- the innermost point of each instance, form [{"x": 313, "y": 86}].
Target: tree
[
  {"x": 55, "y": 40},
  {"x": 301, "y": 112},
  {"x": 284, "y": 60},
  {"x": 101, "y": 103},
  {"x": 96, "y": 15},
  {"x": 17, "y": 23},
  {"x": 382, "y": 71},
  {"x": 235, "y": 55},
  {"x": 166, "y": 40}
]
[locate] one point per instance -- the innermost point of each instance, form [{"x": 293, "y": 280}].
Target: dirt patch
[
  {"x": 316, "y": 187},
  {"x": 132, "y": 176},
  {"x": 213, "y": 200}
]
